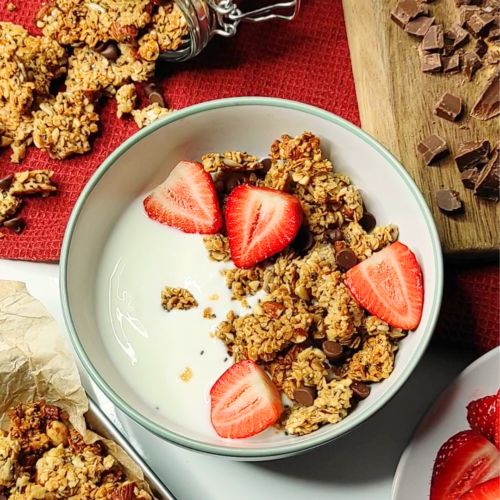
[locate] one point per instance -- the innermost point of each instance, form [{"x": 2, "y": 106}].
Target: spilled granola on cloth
[
  {"x": 304, "y": 301},
  {"x": 99, "y": 48},
  {"x": 43, "y": 457}
]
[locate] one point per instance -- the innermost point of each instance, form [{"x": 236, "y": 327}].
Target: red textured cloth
[{"x": 307, "y": 61}]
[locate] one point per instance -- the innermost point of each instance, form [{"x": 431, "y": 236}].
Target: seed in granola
[
  {"x": 332, "y": 350},
  {"x": 334, "y": 235},
  {"x": 111, "y": 51},
  {"x": 346, "y": 258},
  {"x": 362, "y": 391},
  {"x": 368, "y": 222},
  {"x": 6, "y": 182},
  {"x": 305, "y": 395},
  {"x": 17, "y": 224},
  {"x": 154, "y": 94},
  {"x": 304, "y": 240}
]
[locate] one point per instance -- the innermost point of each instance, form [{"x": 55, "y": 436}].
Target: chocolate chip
[
  {"x": 406, "y": 10},
  {"x": 6, "y": 182},
  {"x": 480, "y": 48},
  {"x": 368, "y": 222},
  {"x": 487, "y": 185},
  {"x": 304, "y": 395},
  {"x": 362, "y": 391},
  {"x": 233, "y": 179},
  {"x": 17, "y": 224},
  {"x": 466, "y": 12},
  {"x": 432, "y": 148},
  {"x": 154, "y": 94},
  {"x": 110, "y": 51},
  {"x": 472, "y": 153},
  {"x": 451, "y": 64},
  {"x": 448, "y": 200},
  {"x": 449, "y": 107},
  {"x": 346, "y": 258},
  {"x": 332, "y": 350},
  {"x": 304, "y": 240},
  {"x": 478, "y": 23},
  {"x": 266, "y": 165},
  {"x": 434, "y": 39},
  {"x": 488, "y": 103},
  {"x": 100, "y": 46},
  {"x": 334, "y": 235},
  {"x": 469, "y": 178},
  {"x": 419, "y": 26},
  {"x": 430, "y": 63},
  {"x": 458, "y": 36}
]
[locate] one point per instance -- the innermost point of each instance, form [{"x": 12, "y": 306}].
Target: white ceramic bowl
[{"x": 242, "y": 124}]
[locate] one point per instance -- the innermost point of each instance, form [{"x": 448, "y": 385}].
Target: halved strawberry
[
  {"x": 496, "y": 434},
  {"x": 389, "y": 286},
  {"x": 464, "y": 461},
  {"x": 244, "y": 401},
  {"x": 260, "y": 222},
  {"x": 482, "y": 416},
  {"x": 186, "y": 200},
  {"x": 489, "y": 490}
]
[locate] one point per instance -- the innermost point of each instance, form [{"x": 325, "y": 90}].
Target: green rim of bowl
[{"x": 282, "y": 449}]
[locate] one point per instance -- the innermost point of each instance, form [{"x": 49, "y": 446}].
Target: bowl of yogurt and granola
[{"x": 251, "y": 277}]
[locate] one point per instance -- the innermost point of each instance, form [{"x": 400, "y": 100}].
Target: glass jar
[{"x": 206, "y": 18}]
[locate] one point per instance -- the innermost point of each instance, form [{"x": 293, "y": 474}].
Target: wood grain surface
[{"x": 396, "y": 101}]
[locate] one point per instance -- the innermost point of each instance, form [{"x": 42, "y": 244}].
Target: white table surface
[{"x": 359, "y": 466}]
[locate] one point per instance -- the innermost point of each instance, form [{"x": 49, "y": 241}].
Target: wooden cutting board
[{"x": 396, "y": 101}]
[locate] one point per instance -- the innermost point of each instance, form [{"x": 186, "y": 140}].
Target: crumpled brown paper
[{"x": 35, "y": 363}]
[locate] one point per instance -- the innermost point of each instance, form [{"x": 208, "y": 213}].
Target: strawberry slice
[
  {"x": 244, "y": 401},
  {"x": 489, "y": 490},
  {"x": 186, "y": 200},
  {"x": 496, "y": 434},
  {"x": 482, "y": 416},
  {"x": 260, "y": 222},
  {"x": 464, "y": 461},
  {"x": 389, "y": 286}
]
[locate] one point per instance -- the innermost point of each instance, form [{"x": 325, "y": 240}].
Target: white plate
[{"x": 446, "y": 417}]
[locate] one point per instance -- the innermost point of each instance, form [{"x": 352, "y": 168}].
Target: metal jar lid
[{"x": 206, "y": 18}]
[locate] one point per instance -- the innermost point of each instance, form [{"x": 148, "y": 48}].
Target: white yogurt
[{"x": 149, "y": 346}]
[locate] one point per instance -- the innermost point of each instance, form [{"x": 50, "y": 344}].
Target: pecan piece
[
  {"x": 125, "y": 492},
  {"x": 51, "y": 412},
  {"x": 44, "y": 11},
  {"x": 123, "y": 34}
]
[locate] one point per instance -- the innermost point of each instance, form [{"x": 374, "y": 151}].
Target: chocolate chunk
[
  {"x": 266, "y": 165},
  {"x": 406, "y": 10},
  {"x": 6, "y": 182},
  {"x": 471, "y": 62},
  {"x": 334, "y": 235},
  {"x": 449, "y": 107},
  {"x": 434, "y": 39},
  {"x": 487, "y": 185},
  {"x": 110, "y": 51},
  {"x": 494, "y": 35},
  {"x": 100, "y": 46},
  {"x": 368, "y": 222},
  {"x": 304, "y": 395},
  {"x": 478, "y": 23},
  {"x": 419, "y": 26},
  {"x": 488, "y": 104},
  {"x": 458, "y": 35},
  {"x": 154, "y": 94},
  {"x": 432, "y": 148},
  {"x": 472, "y": 153},
  {"x": 430, "y": 63},
  {"x": 480, "y": 48},
  {"x": 304, "y": 240},
  {"x": 469, "y": 177},
  {"x": 448, "y": 200},
  {"x": 466, "y": 12},
  {"x": 451, "y": 64},
  {"x": 362, "y": 391},
  {"x": 17, "y": 224},
  {"x": 332, "y": 350},
  {"x": 346, "y": 258}
]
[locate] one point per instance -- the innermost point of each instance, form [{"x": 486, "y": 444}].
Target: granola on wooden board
[
  {"x": 304, "y": 308},
  {"x": 43, "y": 457}
]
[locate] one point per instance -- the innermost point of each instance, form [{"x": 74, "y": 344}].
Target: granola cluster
[
  {"x": 177, "y": 298},
  {"x": 43, "y": 457},
  {"x": 12, "y": 190},
  {"x": 305, "y": 302},
  {"x": 100, "y": 48}
]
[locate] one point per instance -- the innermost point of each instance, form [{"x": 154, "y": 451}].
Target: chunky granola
[
  {"x": 43, "y": 457},
  {"x": 304, "y": 299},
  {"x": 100, "y": 48},
  {"x": 177, "y": 298}
]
